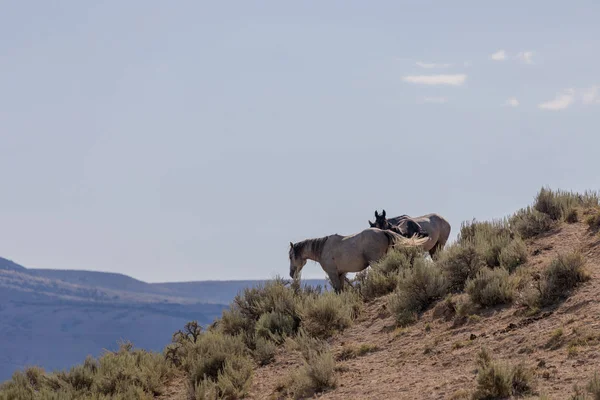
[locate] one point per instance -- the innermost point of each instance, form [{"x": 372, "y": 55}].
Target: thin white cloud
[
  {"x": 468, "y": 64},
  {"x": 500, "y": 55},
  {"x": 560, "y": 102},
  {"x": 513, "y": 102},
  {"x": 435, "y": 100},
  {"x": 453, "y": 80},
  {"x": 526, "y": 57},
  {"x": 432, "y": 65},
  {"x": 591, "y": 95}
]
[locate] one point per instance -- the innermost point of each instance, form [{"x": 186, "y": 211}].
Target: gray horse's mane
[{"x": 313, "y": 245}]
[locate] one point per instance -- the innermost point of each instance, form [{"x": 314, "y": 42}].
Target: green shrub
[
  {"x": 563, "y": 275},
  {"x": 491, "y": 287},
  {"x": 123, "y": 374},
  {"x": 551, "y": 203},
  {"x": 513, "y": 255},
  {"x": 460, "y": 262},
  {"x": 417, "y": 289},
  {"x": 499, "y": 381},
  {"x": 398, "y": 259},
  {"x": 593, "y": 220},
  {"x": 206, "y": 359},
  {"x": 273, "y": 296},
  {"x": 529, "y": 222},
  {"x": 264, "y": 352},
  {"x": 376, "y": 283},
  {"x": 275, "y": 326},
  {"x": 489, "y": 239},
  {"x": 317, "y": 374},
  {"x": 328, "y": 313}
]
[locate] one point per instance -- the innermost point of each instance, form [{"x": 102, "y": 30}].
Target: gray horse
[
  {"x": 434, "y": 225},
  {"x": 339, "y": 254}
]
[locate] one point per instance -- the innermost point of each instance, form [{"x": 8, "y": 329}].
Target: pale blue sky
[{"x": 193, "y": 140}]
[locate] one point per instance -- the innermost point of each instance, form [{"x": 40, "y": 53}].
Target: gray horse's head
[
  {"x": 296, "y": 261},
  {"x": 380, "y": 221}
]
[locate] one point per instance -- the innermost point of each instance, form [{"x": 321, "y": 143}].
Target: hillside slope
[{"x": 434, "y": 359}]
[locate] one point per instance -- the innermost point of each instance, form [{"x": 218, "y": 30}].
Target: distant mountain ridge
[{"x": 55, "y": 318}]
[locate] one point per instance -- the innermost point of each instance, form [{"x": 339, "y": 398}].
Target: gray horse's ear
[
  {"x": 376, "y": 215},
  {"x": 371, "y": 224},
  {"x": 383, "y": 214},
  {"x": 291, "y": 245}
]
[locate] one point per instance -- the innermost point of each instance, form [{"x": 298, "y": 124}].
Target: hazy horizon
[{"x": 194, "y": 141}]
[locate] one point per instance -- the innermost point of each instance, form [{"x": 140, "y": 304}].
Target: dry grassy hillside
[{"x": 511, "y": 310}]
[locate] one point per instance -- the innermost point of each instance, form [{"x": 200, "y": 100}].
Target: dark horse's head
[{"x": 380, "y": 221}]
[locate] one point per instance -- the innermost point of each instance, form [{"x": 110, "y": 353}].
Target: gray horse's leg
[
  {"x": 436, "y": 249},
  {"x": 336, "y": 282}
]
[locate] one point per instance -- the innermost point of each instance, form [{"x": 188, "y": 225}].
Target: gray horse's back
[{"x": 437, "y": 227}]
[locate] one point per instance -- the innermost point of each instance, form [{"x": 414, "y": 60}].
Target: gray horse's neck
[{"x": 312, "y": 248}]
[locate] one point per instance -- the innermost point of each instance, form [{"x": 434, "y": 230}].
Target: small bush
[
  {"x": 417, "y": 289},
  {"x": 330, "y": 312},
  {"x": 123, "y": 374},
  {"x": 593, "y": 220},
  {"x": 459, "y": 263},
  {"x": 398, "y": 259},
  {"x": 273, "y": 296},
  {"x": 529, "y": 222},
  {"x": 550, "y": 203},
  {"x": 563, "y": 275},
  {"x": 305, "y": 344},
  {"x": 376, "y": 284},
  {"x": 476, "y": 231},
  {"x": 572, "y": 216},
  {"x": 491, "y": 287},
  {"x": 513, "y": 255},
  {"x": 315, "y": 376},
  {"x": 264, "y": 352},
  {"x": 275, "y": 326},
  {"x": 207, "y": 358},
  {"x": 498, "y": 381}
]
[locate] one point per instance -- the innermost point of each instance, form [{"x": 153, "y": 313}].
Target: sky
[{"x": 193, "y": 140}]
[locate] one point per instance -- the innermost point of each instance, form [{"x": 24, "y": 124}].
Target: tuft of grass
[
  {"x": 593, "y": 386},
  {"x": 349, "y": 352},
  {"x": 460, "y": 394},
  {"x": 491, "y": 287},
  {"x": 556, "y": 340},
  {"x": 417, "y": 289},
  {"x": 497, "y": 380}
]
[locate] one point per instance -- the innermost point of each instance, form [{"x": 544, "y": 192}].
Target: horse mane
[
  {"x": 315, "y": 246},
  {"x": 396, "y": 238}
]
